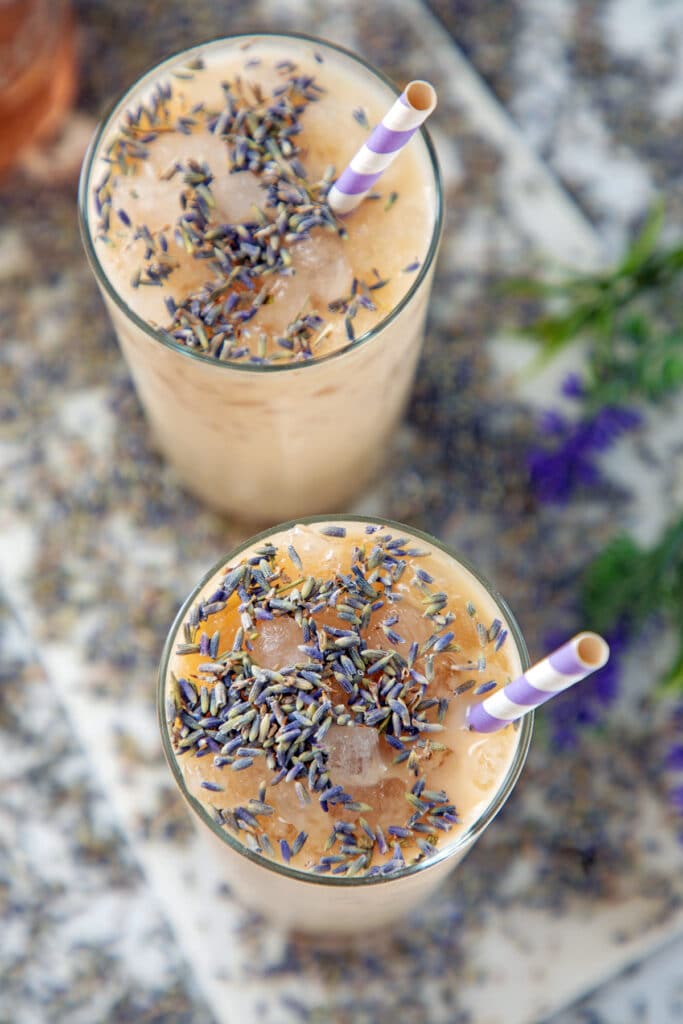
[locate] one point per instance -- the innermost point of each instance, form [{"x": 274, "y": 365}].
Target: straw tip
[
  {"x": 592, "y": 650},
  {"x": 421, "y": 96}
]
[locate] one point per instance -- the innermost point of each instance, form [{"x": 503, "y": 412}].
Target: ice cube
[
  {"x": 489, "y": 758},
  {"x": 451, "y": 670},
  {"x": 323, "y": 261},
  {"x": 391, "y": 800},
  {"x": 322, "y": 274},
  {"x": 151, "y": 197},
  {"x": 289, "y": 810},
  {"x": 277, "y": 643},
  {"x": 320, "y": 555},
  {"x": 354, "y": 757},
  {"x": 236, "y": 196},
  {"x": 411, "y": 625}
]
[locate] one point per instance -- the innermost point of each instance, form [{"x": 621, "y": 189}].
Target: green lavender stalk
[
  {"x": 631, "y": 318},
  {"x": 626, "y": 585}
]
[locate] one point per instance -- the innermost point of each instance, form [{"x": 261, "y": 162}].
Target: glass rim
[
  {"x": 85, "y": 184},
  {"x": 443, "y": 853}
]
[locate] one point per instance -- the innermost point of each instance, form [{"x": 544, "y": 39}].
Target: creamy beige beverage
[
  {"x": 314, "y": 696},
  {"x": 259, "y": 326}
]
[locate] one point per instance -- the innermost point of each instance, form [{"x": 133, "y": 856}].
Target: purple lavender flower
[
  {"x": 676, "y": 798},
  {"x": 674, "y": 758},
  {"x": 553, "y": 423},
  {"x": 555, "y": 474},
  {"x": 568, "y": 461},
  {"x": 573, "y": 386},
  {"x": 674, "y": 764},
  {"x": 609, "y": 424}
]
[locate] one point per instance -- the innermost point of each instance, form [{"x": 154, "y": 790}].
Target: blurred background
[{"x": 560, "y": 134}]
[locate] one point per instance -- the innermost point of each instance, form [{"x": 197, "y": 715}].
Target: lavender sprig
[
  {"x": 629, "y": 316},
  {"x": 629, "y": 320},
  {"x": 627, "y": 585},
  {"x": 566, "y": 458}
]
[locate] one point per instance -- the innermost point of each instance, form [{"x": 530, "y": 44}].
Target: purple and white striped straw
[
  {"x": 584, "y": 654},
  {"x": 385, "y": 142}
]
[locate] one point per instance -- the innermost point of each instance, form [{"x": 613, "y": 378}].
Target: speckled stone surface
[
  {"x": 83, "y": 940},
  {"x": 580, "y": 876},
  {"x": 596, "y": 88},
  {"x": 650, "y": 991}
]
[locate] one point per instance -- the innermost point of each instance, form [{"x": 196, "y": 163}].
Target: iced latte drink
[
  {"x": 272, "y": 343},
  {"x": 313, "y": 694}
]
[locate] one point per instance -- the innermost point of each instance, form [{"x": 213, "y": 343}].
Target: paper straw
[
  {"x": 579, "y": 657},
  {"x": 386, "y": 141}
]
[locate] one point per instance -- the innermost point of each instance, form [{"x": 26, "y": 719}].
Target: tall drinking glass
[
  {"x": 264, "y": 441},
  {"x": 243, "y": 709}
]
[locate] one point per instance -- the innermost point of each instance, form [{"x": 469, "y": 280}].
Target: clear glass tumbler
[
  {"x": 269, "y": 442},
  {"x": 310, "y": 902}
]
